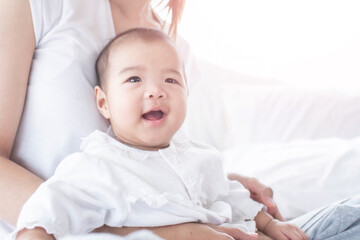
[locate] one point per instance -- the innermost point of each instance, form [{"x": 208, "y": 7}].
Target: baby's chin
[
  {"x": 148, "y": 145},
  {"x": 154, "y": 144},
  {"x": 155, "y": 148}
]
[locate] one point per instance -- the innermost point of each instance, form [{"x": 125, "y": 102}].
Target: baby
[{"x": 136, "y": 174}]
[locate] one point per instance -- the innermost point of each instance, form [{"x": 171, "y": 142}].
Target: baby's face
[{"x": 145, "y": 93}]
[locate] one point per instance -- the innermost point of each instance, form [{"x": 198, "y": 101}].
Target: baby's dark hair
[{"x": 144, "y": 34}]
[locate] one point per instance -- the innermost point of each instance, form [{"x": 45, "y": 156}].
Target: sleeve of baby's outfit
[
  {"x": 244, "y": 209},
  {"x": 79, "y": 198}
]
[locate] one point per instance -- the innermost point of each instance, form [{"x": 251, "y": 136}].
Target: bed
[{"x": 303, "y": 141}]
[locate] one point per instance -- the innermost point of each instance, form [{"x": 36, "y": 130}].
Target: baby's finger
[
  {"x": 304, "y": 237},
  {"x": 266, "y": 197},
  {"x": 274, "y": 211},
  {"x": 295, "y": 234}
]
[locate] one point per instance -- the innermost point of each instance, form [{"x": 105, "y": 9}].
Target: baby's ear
[{"x": 101, "y": 102}]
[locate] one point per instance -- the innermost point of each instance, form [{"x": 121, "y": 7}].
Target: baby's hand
[{"x": 283, "y": 230}]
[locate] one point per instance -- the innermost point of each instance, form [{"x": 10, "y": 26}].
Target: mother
[{"x": 48, "y": 51}]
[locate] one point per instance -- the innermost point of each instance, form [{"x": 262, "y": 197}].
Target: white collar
[{"x": 99, "y": 140}]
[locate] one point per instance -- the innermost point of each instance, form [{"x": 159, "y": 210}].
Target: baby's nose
[{"x": 158, "y": 93}]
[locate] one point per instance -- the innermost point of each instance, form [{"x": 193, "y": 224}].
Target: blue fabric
[{"x": 338, "y": 221}]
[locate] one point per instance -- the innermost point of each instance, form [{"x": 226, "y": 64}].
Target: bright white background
[
  {"x": 300, "y": 138},
  {"x": 309, "y": 41}
]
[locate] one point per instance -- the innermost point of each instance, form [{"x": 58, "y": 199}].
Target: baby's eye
[
  {"x": 171, "y": 80},
  {"x": 134, "y": 79}
]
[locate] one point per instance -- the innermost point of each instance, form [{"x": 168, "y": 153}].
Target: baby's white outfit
[{"x": 113, "y": 184}]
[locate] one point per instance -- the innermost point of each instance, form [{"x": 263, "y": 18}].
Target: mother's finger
[{"x": 266, "y": 197}]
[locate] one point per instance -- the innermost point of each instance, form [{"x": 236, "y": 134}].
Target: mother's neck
[{"x": 132, "y": 13}]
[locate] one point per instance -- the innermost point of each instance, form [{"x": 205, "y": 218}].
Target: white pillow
[
  {"x": 206, "y": 120},
  {"x": 260, "y": 113}
]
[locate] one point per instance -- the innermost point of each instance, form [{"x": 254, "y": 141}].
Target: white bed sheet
[
  {"x": 304, "y": 174},
  {"x": 302, "y": 140}
]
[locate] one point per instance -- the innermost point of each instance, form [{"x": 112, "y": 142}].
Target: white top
[
  {"x": 60, "y": 105},
  {"x": 113, "y": 184}
]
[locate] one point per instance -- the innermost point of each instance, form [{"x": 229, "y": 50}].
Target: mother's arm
[
  {"x": 189, "y": 231},
  {"x": 17, "y": 45}
]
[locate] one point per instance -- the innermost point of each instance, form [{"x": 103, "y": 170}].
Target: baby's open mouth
[{"x": 153, "y": 115}]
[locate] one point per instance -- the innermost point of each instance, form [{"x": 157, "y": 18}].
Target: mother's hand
[
  {"x": 259, "y": 192},
  {"x": 188, "y": 231}
]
